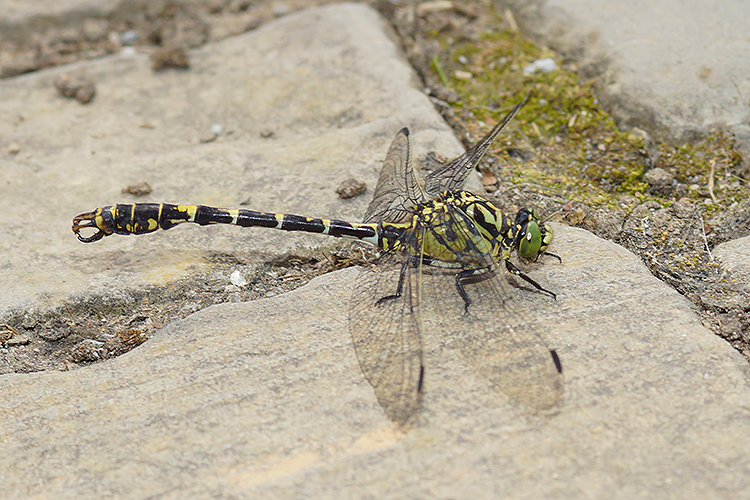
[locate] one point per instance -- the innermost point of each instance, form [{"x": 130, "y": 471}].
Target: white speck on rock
[{"x": 237, "y": 279}]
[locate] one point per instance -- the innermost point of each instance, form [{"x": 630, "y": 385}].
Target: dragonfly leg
[
  {"x": 461, "y": 290},
  {"x": 399, "y": 288},
  {"x": 513, "y": 269},
  {"x": 553, "y": 255},
  {"x": 470, "y": 276}
]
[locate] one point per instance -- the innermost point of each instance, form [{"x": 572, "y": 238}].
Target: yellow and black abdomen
[
  {"x": 138, "y": 218},
  {"x": 141, "y": 218}
]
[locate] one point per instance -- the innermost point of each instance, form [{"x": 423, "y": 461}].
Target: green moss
[
  {"x": 578, "y": 151},
  {"x": 709, "y": 166}
]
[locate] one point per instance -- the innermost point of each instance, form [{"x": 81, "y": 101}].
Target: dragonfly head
[{"x": 532, "y": 236}]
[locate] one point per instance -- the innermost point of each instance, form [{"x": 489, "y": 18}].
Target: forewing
[
  {"x": 453, "y": 175},
  {"x": 386, "y": 335},
  {"x": 398, "y": 189}
]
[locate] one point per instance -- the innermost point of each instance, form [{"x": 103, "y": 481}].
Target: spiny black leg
[
  {"x": 470, "y": 276},
  {"x": 553, "y": 255},
  {"x": 460, "y": 286},
  {"x": 399, "y": 288},
  {"x": 513, "y": 269}
]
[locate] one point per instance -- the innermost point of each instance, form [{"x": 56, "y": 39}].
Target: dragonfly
[{"x": 428, "y": 232}]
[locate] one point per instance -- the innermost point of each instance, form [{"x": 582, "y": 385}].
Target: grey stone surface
[
  {"x": 735, "y": 257},
  {"x": 20, "y": 14},
  {"x": 671, "y": 67},
  {"x": 334, "y": 95},
  {"x": 265, "y": 399}
]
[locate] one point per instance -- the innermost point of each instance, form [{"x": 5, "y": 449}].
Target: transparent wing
[
  {"x": 398, "y": 189},
  {"x": 453, "y": 175},
  {"x": 505, "y": 346},
  {"x": 386, "y": 334},
  {"x": 497, "y": 335}
]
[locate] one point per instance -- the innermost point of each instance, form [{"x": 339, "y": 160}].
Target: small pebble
[
  {"x": 138, "y": 189},
  {"x": 129, "y": 37},
  {"x": 189, "y": 308},
  {"x": 128, "y": 52},
  {"x": 114, "y": 39},
  {"x": 217, "y": 129},
  {"x": 17, "y": 340},
  {"x": 237, "y": 279},
  {"x": 545, "y": 65},
  {"x": 351, "y": 188},
  {"x": 14, "y": 149},
  {"x": 79, "y": 88},
  {"x": 170, "y": 58}
]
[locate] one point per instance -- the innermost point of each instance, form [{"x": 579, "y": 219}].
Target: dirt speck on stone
[
  {"x": 80, "y": 88},
  {"x": 138, "y": 189},
  {"x": 170, "y": 58},
  {"x": 351, "y": 188}
]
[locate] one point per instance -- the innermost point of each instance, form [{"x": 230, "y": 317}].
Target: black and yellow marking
[
  {"x": 446, "y": 219},
  {"x": 455, "y": 214},
  {"x": 141, "y": 218},
  {"x": 461, "y": 230},
  {"x": 457, "y": 229}
]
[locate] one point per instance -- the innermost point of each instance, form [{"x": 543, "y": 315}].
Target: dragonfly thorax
[
  {"x": 456, "y": 227},
  {"x": 459, "y": 226}
]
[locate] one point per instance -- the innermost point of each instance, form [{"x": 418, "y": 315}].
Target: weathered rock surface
[
  {"x": 673, "y": 68},
  {"x": 265, "y": 399},
  {"x": 734, "y": 256}
]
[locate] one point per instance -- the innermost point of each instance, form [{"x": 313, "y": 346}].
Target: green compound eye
[{"x": 530, "y": 245}]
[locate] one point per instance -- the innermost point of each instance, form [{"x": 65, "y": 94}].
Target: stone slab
[
  {"x": 734, "y": 256},
  {"x": 674, "y": 68},
  {"x": 265, "y": 399}
]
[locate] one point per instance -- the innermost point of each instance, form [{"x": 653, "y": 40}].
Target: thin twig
[
  {"x": 290, "y": 277},
  {"x": 69, "y": 312},
  {"x": 328, "y": 258},
  {"x": 711, "y": 180},
  {"x": 735, "y": 177},
  {"x": 705, "y": 240},
  {"x": 510, "y": 19},
  {"x": 8, "y": 329}
]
